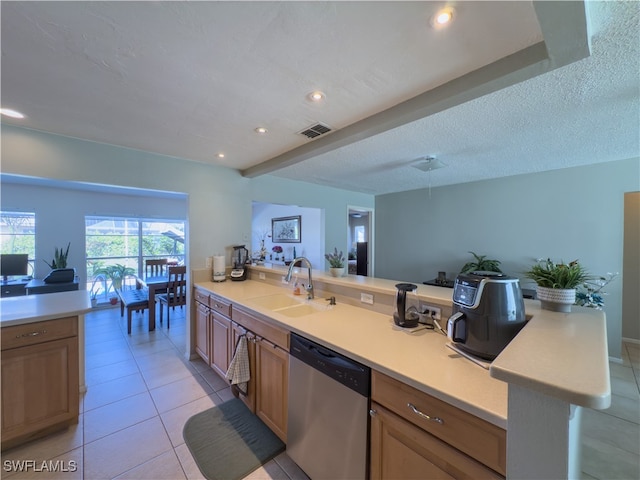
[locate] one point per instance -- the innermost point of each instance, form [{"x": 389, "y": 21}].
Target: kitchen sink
[
  {"x": 288, "y": 305},
  {"x": 300, "y": 310},
  {"x": 277, "y": 301}
]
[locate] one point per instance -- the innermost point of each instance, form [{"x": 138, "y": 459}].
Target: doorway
[{"x": 360, "y": 240}]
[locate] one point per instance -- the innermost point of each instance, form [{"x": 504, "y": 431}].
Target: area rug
[{"x": 228, "y": 441}]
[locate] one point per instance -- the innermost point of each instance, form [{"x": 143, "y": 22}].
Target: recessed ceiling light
[
  {"x": 442, "y": 17},
  {"x": 261, "y": 130},
  {"x": 220, "y": 155},
  {"x": 316, "y": 96},
  {"x": 7, "y": 112}
]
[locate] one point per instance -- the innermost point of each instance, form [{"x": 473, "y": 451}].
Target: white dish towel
[{"x": 239, "y": 372}]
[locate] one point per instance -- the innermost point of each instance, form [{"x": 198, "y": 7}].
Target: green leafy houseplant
[
  {"x": 548, "y": 274},
  {"x": 482, "y": 263},
  {"x": 59, "y": 258},
  {"x": 116, "y": 274},
  {"x": 335, "y": 259}
]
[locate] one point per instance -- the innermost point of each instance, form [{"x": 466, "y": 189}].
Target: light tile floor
[{"x": 141, "y": 391}]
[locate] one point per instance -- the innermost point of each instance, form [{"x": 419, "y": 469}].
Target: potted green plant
[
  {"x": 482, "y": 263},
  {"x": 59, "y": 258},
  {"x": 557, "y": 282},
  {"x": 336, "y": 262},
  {"x": 116, "y": 274}
]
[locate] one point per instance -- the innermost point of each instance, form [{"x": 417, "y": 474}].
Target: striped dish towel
[{"x": 238, "y": 372}]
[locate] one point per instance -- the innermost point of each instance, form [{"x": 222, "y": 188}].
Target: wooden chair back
[
  {"x": 177, "y": 286},
  {"x": 156, "y": 267}
]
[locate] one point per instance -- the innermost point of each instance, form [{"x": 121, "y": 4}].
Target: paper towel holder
[{"x": 219, "y": 270}]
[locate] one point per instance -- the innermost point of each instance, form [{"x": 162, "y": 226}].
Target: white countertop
[
  {"x": 48, "y": 306},
  {"x": 419, "y": 359},
  {"x": 560, "y": 355}
]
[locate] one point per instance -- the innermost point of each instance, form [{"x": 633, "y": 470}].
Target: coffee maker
[
  {"x": 488, "y": 312},
  {"x": 240, "y": 257},
  {"x": 405, "y": 317}
]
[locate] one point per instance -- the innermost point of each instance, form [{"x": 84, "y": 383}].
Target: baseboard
[
  {"x": 615, "y": 360},
  {"x": 631, "y": 340}
]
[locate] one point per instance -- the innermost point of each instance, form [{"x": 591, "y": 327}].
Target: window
[
  {"x": 359, "y": 231},
  {"x": 118, "y": 246},
  {"x": 18, "y": 234}
]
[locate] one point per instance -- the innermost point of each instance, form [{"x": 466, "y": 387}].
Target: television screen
[{"x": 14, "y": 264}]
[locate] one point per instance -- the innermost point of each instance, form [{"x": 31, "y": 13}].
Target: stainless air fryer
[{"x": 488, "y": 312}]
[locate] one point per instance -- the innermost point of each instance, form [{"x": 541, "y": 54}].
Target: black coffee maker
[
  {"x": 405, "y": 317},
  {"x": 488, "y": 312},
  {"x": 240, "y": 257}
]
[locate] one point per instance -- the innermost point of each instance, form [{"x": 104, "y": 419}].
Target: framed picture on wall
[{"x": 286, "y": 229}]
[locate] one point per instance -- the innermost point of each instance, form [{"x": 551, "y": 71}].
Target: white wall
[
  {"x": 219, "y": 200},
  {"x": 312, "y": 231},
  {"x": 60, "y": 216},
  {"x": 574, "y": 213}
]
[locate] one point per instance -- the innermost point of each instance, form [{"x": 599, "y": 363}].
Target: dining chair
[
  {"x": 176, "y": 291},
  {"x": 155, "y": 267}
]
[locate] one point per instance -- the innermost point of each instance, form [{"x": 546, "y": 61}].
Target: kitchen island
[
  {"x": 421, "y": 360},
  {"x": 42, "y": 363}
]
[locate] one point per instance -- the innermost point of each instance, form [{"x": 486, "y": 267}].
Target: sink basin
[
  {"x": 277, "y": 301},
  {"x": 288, "y": 305},
  {"x": 299, "y": 310}
]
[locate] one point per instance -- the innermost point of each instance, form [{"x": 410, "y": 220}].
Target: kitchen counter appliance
[
  {"x": 328, "y": 409},
  {"x": 402, "y": 316},
  {"x": 240, "y": 256},
  {"x": 488, "y": 312}
]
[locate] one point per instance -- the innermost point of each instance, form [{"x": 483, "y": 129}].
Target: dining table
[{"x": 155, "y": 285}]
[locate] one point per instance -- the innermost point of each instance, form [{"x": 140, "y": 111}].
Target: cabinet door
[
  {"x": 220, "y": 343},
  {"x": 250, "y": 398},
  {"x": 202, "y": 331},
  {"x": 39, "y": 388},
  {"x": 272, "y": 377},
  {"x": 400, "y": 450}
]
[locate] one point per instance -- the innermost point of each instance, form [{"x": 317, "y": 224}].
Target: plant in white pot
[
  {"x": 336, "y": 262},
  {"x": 557, "y": 282}
]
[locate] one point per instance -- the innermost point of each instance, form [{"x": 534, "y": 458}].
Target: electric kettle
[{"x": 403, "y": 316}]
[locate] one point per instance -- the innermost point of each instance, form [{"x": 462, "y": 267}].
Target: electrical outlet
[
  {"x": 261, "y": 275},
  {"x": 430, "y": 310},
  {"x": 366, "y": 298}
]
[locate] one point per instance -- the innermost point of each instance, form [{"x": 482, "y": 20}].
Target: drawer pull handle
[
  {"x": 31, "y": 334},
  {"x": 424, "y": 415}
]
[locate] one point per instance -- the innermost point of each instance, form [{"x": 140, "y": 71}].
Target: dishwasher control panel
[{"x": 348, "y": 372}]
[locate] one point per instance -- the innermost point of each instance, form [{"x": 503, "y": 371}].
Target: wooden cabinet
[
  {"x": 250, "y": 398},
  {"x": 221, "y": 343},
  {"x": 269, "y": 360},
  {"x": 221, "y": 340},
  {"x": 40, "y": 382},
  {"x": 414, "y": 435},
  {"x": 202, "y": 331},
  {"x": 272, "y": 383}
]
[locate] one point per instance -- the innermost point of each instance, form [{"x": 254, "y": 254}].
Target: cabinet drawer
[
  {"x": 262, "y": 328},
  {"x": 201, "y": 297},
  {"x": 477, "y": 438},
  {"x": 38, "y": 332},
  {"x": 220, "y": 305}
]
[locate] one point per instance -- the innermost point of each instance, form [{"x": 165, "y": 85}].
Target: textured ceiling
[{"x": 191, "y": 79}]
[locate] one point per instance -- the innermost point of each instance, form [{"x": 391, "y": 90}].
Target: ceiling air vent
[{"x": 315, "y": 130}]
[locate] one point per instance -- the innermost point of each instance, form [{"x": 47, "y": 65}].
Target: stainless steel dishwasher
[{"x": 328, "y": 407}]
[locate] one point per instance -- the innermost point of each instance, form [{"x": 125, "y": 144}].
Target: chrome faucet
[{"x": 309, "y": 287}]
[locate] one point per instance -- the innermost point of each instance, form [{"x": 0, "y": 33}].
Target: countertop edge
[{"x": 38, "y": 308}]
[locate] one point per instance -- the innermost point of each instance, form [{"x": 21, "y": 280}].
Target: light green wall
[
  {"x": 574, "y": 213},
  {"x": 219, "y": 199}
]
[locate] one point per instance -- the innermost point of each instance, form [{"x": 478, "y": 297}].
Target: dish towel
[{"x": 239, "y": 372}]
